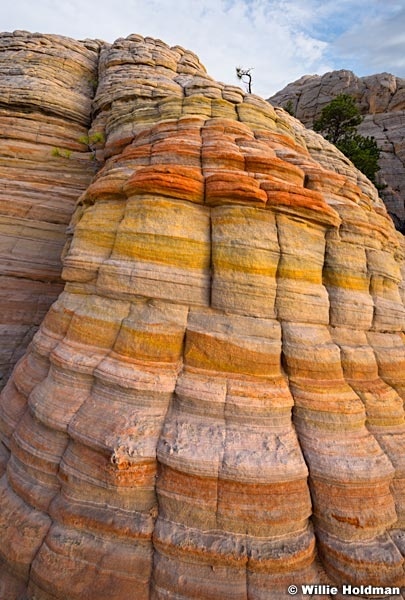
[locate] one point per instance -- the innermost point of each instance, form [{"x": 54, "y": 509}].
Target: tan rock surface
[
  {"x": 213, "y": 407},
  {"x": 46, "y": 86},
  {"x": 381, "y": 99}
]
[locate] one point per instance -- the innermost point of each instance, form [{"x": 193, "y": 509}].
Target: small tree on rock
[
  {"x": 364, "y": 154},
  {"x": 338, "y": 124},
  {"x": 245, "y": 76},
  {"x": 338, "y": 119}
]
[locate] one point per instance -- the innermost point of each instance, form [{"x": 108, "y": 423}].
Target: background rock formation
[
  {"x": 222, "y": 377},
  {"x": 46, "y": 86},
  {"x": 381, "y": 99}
]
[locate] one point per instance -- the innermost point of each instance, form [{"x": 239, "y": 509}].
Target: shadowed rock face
[
  {"x": 213, "y": 407},
  {"x": 381, "y": 99},
  {"x": 46, "y": 86}
]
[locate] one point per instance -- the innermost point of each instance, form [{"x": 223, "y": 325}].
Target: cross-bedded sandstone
[
  {"x": 213, "y": 407},
  {"x": 46, "y": 88}
]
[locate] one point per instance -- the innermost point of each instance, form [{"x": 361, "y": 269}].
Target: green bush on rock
[{"x": 338, "y": 124}]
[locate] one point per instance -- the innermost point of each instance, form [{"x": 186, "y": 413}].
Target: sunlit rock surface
[
  {"x": 46, "y": 86},
  {"x": 213, "y": 407}
]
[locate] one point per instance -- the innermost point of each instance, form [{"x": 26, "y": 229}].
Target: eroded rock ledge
[{"x": 213, "y": 407}]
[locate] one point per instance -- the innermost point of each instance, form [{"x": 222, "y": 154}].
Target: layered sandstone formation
[
  {"x": 46, "y": 86},
  {"x": 381, "y": 99},
  {"x": 213, "y": 407}
]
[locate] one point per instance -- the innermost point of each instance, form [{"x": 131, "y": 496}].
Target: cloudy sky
[{"x": 281, "y": 40}]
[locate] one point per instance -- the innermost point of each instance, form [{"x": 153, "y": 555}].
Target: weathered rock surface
[
  {"x": 381, "y": 99},
  {"x": 213, "y": 407},
  {"x": 46, "y": 86}
]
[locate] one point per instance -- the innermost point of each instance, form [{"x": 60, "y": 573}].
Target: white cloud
[
  {"x": 280, "y": 39},
  {"x": 377, "y": 45},
  {"x": 227, "y": 34}
]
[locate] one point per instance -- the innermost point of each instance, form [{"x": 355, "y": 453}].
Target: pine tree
[{"x": 338, "y": 124}]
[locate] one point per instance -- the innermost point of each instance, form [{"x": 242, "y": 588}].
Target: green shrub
[
  {"x": 289, "y": 107},
  {"x": 61, "y": 153},
  {"x": 95, "y": 138},
  {"x": 363, "y": 152},
  {"x": 338, "y": 123}
]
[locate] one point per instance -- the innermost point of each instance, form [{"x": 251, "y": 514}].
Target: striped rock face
[
  {"x": 213, "y": 407},
  {"x": 46, "y": 86}
]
